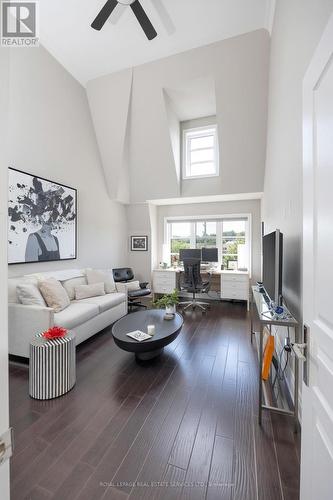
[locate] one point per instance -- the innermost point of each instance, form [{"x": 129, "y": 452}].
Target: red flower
[{"x": 55, "y": 333}]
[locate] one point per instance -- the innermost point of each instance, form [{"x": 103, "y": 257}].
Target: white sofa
[{"x": 85, "y": 317}]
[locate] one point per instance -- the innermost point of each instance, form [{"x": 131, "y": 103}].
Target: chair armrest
[{"x": 23, "y": 324}]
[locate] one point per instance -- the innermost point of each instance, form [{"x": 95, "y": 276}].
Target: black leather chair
[
  {"x": 126, "y": 275},
  {"x": 191, "y": 281}
]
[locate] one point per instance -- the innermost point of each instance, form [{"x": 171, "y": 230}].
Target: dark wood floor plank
[
  {"x": 172, "y": 484},
  {"x": 220, "y": 486},
  {"x": 39, "y": 494},
  {"x": 199, "y": 467},
  {"x": 156, "y": 461},
  {"x": 132, "y": 463},
  {"x": 244, "y": 451},
  {"x": 269, "y": 482},
  {"x": 74, "y": 483},
  {"x": 287, "y": 456},
  {"x": 182, "y": 448}
]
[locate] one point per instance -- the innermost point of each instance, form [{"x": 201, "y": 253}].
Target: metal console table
[{"x": 260, "y": 311}]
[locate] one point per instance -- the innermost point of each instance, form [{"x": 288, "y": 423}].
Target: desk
[{"x": 230, "y": 285}]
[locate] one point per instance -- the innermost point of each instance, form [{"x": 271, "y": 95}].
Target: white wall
[
  {"x": 4, "y": 416},
  {"x": 297, "y": 28},
  {"x": 239, "y": 68},
  {"x": 51, "y": 135},
  {"x": 138, "y": 220}
]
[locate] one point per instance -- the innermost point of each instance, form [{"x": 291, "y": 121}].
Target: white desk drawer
[
  {"x": 235, "y": 285},
  {"x": 235, "y": 278},
  {"x": 164, "y": 275},
  {"x": 237, "y": 295},
  {"x": 163, "y": 288},
  {"x": 164, "y": 281}
]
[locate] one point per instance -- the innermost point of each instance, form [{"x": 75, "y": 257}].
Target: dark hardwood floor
[{"x": 182, "y": 426}]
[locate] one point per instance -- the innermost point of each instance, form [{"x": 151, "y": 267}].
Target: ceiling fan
[{"x": 137, "y": 9}]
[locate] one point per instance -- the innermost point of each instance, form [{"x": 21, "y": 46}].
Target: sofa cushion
[
  {"x": 75, "y": 314},
  {"x": 98, "y": 275},
  {"x": 69, "y": 285},
  {"x": 12, "y": 287},
  {"x": 87, "y": 291},
  {"x": 105, "y": 302},
  {"x": 54, "y": 294},
  {"x": 29, "y": 295}
]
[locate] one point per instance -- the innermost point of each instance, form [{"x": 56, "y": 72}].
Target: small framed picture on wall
[{"x": 139, "y": 243}]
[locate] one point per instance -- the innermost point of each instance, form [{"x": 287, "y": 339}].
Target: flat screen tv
[{"x": 272, "y": 265}]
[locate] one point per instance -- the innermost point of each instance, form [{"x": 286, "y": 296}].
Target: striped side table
[{"x": 52, "y": 369}]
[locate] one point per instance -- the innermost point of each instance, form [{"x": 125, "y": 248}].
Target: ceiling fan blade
[
  {"x": 143, "y": 19},
  {"x": 104, "y": 14}
]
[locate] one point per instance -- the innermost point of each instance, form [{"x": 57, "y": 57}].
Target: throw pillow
[
  {"x": 69, "y": 285},
  {"x": 54, "y": 294},
  {"x": 86, "y": 291},
  {"x": 29, "y": 295},
  {"x": 98, "y": 276}
]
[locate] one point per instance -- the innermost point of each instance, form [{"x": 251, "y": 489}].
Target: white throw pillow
[
  {"x": 98, "y": 276},
  {"x": 86, "y": 291},
  {"x": 13, "y": 284},
  {"x": 54, "y": 294},
  {"x": 69, "y": 285},
  {"x": 29, "y": 295}
]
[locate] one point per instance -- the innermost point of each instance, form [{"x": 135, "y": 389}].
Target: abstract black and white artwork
[
  {"x": 139, "y": 243},
  {"x": 42, "y": 219}
]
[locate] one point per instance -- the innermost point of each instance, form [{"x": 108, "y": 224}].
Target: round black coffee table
[{"x": 165, "y": 332}]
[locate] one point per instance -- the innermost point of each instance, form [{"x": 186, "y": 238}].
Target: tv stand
[{"x": 261, "y": 314}]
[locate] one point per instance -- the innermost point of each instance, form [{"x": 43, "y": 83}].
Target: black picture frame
[
  {"x": 139, "y": 243},
  {"x": 75, "y": 195}
]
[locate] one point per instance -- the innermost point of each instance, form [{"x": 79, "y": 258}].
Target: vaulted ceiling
[{"x": 181, "y": 25}]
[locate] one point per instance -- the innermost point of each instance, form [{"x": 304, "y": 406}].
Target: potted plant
[{"x": 169, "y": 301}]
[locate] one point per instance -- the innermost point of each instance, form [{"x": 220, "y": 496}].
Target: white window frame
[
  {"x": 199, "y": 132},
  {"x": 218, "y": 218}
]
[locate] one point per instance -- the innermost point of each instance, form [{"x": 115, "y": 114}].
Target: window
[
  {"x": 231, "y": 235},
  {"x": 200, "y": 152},
  {"x": 233, "y": 244},
  {"x": 180, "y": 237},
  {"x": 205, "y": 234}
]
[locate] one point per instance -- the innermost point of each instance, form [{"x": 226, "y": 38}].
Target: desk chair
[
  {"x": 191, "y": 281},
  {"x": 126, "y": 275}
]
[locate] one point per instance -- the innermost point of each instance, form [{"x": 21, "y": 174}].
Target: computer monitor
[
  {"x": 210, "y": 255},
  {"x": 189, "y": 253}
]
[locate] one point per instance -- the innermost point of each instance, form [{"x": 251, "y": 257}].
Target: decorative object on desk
[
  {"x": 138, "y": 335},
  {"x": 151, "y": 330},
  {"x": 163, "y": 265},
  {"x": 169, "y": 316},
  {"x": 42, "y": 218},
  {"x": 169, "y": 301},
  {"x": 261, "y": 288},
  {"x": 232, "y": 265},
  {"x": 139, "y": 243},
  {"x": 56, "y": 332},
  {"x": 268, "y": 356}
]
